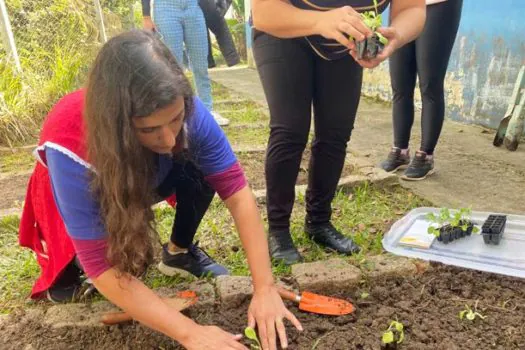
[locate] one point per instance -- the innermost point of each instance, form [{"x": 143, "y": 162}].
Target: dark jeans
[
  {"x": 217, "y": 24},
  {"x": 294, "y": 77},
  {"x": 194, "y": 196},
  {"x": 427, "y": 57}
]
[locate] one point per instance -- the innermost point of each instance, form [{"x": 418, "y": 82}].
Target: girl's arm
[{"x": 267, "y": 309}]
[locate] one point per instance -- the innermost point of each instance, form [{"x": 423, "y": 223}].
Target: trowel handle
[{"x": 288, "y": 295}]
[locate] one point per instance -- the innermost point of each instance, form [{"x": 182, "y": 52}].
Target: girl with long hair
[{"x": 133, "y": 136}]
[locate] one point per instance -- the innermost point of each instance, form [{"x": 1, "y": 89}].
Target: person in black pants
[
  {"x": 214, "y": 12},
  {"x": 426, "y": 57},
  {"x": 304, "y": 58}
]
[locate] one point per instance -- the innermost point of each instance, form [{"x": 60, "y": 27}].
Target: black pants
[
  {"x": 294, "y": 77},
  {"x": 427, "y": 57},
  {"x": 217, "y": 24},
  {"x": 194, "y": 196}
]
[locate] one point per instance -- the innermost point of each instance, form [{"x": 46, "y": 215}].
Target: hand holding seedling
[
  {"x": 341, "y": 23},
  {"x": 393, "y": 42},
  {"x": 268, "y": 312}
]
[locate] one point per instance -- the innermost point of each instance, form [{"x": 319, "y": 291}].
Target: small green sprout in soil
[
  {"x": 250, "y": 333},
  {"x": 395, "y": 334},
  {"x": 364, "y": 295},
  {"x": 470, "y": 314}
]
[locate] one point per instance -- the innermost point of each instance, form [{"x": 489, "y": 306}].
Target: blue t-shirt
[{"x": 207, "y": 144}]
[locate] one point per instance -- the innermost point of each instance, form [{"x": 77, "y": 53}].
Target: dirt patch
[
  {"x": 253, "y": 165},
  {"x": 427, "y": 305},
  {"x": 14, "y": 189}
]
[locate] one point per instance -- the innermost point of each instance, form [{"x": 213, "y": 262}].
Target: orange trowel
[{"x": 318, "y": 304}]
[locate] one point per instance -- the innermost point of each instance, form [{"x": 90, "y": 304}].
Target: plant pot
[
  {"x": 369, "y": 48},
  {"x": 493, "y": 228},
  {"x": 470, "y": 227},
  {"x": 446, "y": 234}
]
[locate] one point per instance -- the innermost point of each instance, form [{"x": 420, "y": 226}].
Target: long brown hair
[{"x": 134, "y": 75}]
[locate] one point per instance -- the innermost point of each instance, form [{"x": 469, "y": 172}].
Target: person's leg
[
  {"x": 403, "y": 72},
  {"x": 217, "y": 24},
  {"x": 337, "y": 89},
  {"x": 433, "y": 49},
  {"x": 285, "y": 68},
  {"x": 211, "y": 60},
  {"x": 194, "y": 195},
  {"x": 167, "y": 17},
  {"x": 196, "y": 41}
]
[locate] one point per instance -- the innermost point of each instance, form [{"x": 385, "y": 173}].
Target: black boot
[
  {"x": 328, "y": 236},
  {"x": 282, "y": 248}
]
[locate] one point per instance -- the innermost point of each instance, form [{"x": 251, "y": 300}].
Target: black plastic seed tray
[{"x": 493, "y": 228}]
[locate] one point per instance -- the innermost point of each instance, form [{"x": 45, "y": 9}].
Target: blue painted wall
[{"x": 487, "y": 55}]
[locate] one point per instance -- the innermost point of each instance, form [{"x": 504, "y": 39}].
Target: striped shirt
[{"x": 327, "y": 48}]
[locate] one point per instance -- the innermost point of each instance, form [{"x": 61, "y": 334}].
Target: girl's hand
[
  {"x": 267, "y": 310},
  {"x": 340, "y": 23},
  {"x": 148, "y": 24},
  {"x": 394, "y": 42},
  {"x": 211, "y": 337}
]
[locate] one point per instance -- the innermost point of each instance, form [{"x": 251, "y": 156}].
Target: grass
[
  {"x": 18, "y": 268},
  {"x": 16, "y": 162}
]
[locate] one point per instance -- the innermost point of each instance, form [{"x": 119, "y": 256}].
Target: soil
[
  {"x": 428, "y": 305},
  {"x": 253, "y": 165},
  {"x": 14, "y": 189}
]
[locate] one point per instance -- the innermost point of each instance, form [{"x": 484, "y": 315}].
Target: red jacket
[{"x": 42, "y": 228}]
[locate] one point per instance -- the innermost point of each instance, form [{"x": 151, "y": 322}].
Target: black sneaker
[
  {"x": 420, "y": 167},
  {"x": 328, "y": 236},
  {"x": 195, "y": 262},
  {"x": 395, "y": 160},
  {"x": 282, "y": 248}
]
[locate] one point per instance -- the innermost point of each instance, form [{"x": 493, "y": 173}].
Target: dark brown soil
[
  {"x": 253, "y": 165},
  {"x": 427, "y": 305}
]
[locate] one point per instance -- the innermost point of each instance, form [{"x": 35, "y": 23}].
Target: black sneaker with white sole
[
  {"x": 194, "y": 262},
  {"x": 395, "y": 160},
  {"x": 419, "y": 168}
]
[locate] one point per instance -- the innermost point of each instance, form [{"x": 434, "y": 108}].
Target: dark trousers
[
  {"x": 194, "y": 196},
  {"x": 427, "y": 57},
  {"x": 294, "y": 78},
  {"x": 217, "y": 24}
]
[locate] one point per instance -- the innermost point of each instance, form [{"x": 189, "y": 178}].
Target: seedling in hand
[
  {"x": 250, "y": 333},
  {"x": 395, "y": 334},
  {"x": 370, "y": 47},
  {"x": 470, "y": 314}
]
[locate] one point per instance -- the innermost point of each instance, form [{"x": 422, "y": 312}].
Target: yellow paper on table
[{"x": 418, "y": 236}]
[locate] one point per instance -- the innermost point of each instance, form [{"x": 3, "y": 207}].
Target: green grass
[
  {"x": 16, "y": 162},
  {"x": 18, "y": 268},
  {"x": 247, "y": 137}
]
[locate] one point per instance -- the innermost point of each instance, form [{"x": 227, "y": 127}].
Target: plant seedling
[
  {"x": 250, "y": 333},
  {"x": 395, "y": 334},
  {"x": 370, "y": 47},
  {"x": 451, "y": 226},
  {"x": 470, "y": 314},
  {"x": 364, "y": 295}
]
